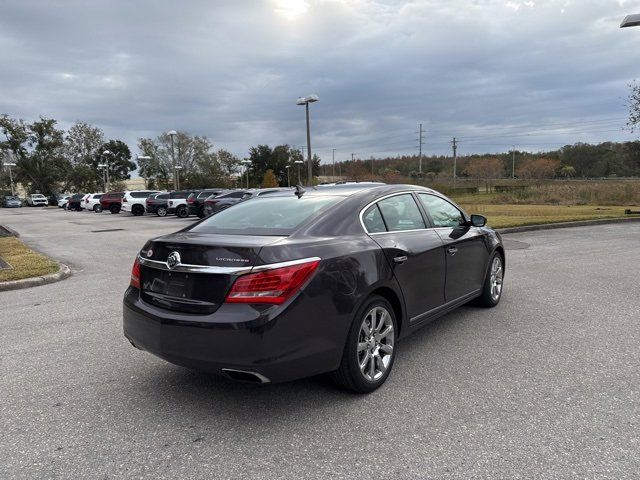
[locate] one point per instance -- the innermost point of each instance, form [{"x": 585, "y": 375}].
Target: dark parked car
[
  {"x": 284, "y": 287},
  {"x": 178, "y": 203},
  {"x": 195, "y": 201},
  {"x": 158, "y": 204},
  {"x": 216, "y": 203},
  {"x": 75, "y": 202},
  {"x": 9, "y": 201},
  {"x": 112, "y": 202}
]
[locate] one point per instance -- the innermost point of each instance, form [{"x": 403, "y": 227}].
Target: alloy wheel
[
  {"x": 495, "y": 279},
  {"x": 375, "y": 343}
]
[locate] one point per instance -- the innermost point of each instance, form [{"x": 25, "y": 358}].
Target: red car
[{"x": 112, "y": 201}]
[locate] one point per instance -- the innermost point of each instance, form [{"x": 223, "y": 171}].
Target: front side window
[
  {"x": 401, "y": 212},
  {"x": 442, "y": 212}
]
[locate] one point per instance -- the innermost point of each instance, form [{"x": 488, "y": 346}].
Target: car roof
[{"x": 346, "y": 190}]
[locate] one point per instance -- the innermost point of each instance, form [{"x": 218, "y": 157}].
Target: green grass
[
  {"x": 25, "y": 262},
  {"x": 501, "y": 216}
]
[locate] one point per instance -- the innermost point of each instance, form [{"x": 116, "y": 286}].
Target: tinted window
[
  {"x": 97, "y": 196},
  {"x": 373, "y": 220},
  {"x": 179, "y": 194},
  {"x": 401, "y": 212},
  {"x": 162, "y": 196},
  {"x": 267, "y": 193},
  {"x": 231, "y": 195},
  {"x": 442, "y": 212},
  {"x": 270, "y": 216},
  {"x": 141, "y": 194}
]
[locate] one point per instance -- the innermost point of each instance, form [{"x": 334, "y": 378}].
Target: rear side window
[
  {"x": 231, "y": 195},
  {"x": 401, "y": 212},
  {"x": 141, "y": 194},
  {"x": 97, "y": 197},
  {"x": 179, "y": 194},
  {"x": 162, "y": 196},
  {"x": 442, "y": 212},
  {"x": 269, "y": 216},
  {"x": 372, "y": 219}
]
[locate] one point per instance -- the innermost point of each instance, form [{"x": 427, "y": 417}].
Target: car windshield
[
  {"x": 37, "y": 195},
  {"x": 268, "y": 216}
]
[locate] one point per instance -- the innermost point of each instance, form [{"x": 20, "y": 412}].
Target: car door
[
  {"x": 414, "y": 251},
  {"x": 466, "y": 252}
]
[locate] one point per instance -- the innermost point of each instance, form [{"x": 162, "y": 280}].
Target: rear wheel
[
  {"x": 114, "y": 209},
  {"x": 137, "y": 210},
  {"x": 161, "y": 211},
  {"x": 182, "y": 211},
  {"x": 97, "y": 208},
  {"x": 201, "y": 212},
  {"x": 492, "y": 288},
  {"x": 370, "y": 349}
]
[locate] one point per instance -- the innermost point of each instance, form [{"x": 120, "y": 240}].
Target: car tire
[
  {"x": 492, "y": 287},
  {"x": 114, "y": 209},
  {"x": 368, "y": 357},
  {"x": 161, "y": 211},
  {"x": 97, "y": 208},
  {"x": 137, "y": 210},
  {"x": 182, "y": 212},
  {"x": 201, "y": 212}
]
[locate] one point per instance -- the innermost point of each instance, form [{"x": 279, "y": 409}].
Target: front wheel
[
  {"x": 370, "y": 349},
  {"x": 492, "y": 288},
  {"x": 114, "y": 209}
]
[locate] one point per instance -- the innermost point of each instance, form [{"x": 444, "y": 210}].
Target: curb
[
  {"x": 10, "y": 230},
  {"x": 579, "y": 223},
  {"x": 61, "y": 274}
]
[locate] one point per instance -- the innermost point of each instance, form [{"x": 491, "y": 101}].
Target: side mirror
[{"x": 478, "y": 220}]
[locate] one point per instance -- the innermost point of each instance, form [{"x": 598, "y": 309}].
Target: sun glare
[{"x": 291, "y": 9}]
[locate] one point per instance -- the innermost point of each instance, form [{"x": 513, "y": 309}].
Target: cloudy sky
[{"x": 493, "y": 73}]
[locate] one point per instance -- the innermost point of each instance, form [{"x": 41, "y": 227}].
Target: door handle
[
  {"x": 400, "y": 259},
  {"x": 452, "y": 250}
]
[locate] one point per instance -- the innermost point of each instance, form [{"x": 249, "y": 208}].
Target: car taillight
[
  {"x": 135, "y": 274},
  {"x": 271, "y": 286},
  {"x": 124, "y": 200},
  {"x": 191, "y": 200}
]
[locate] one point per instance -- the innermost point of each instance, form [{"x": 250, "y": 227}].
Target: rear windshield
[{"x": 266, "y": 216}]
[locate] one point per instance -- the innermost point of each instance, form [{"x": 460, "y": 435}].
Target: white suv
[
  {"x": 91, "y": 202},
  {"x": 134, "y": 201},
  {"x": 37, "y": 200}
]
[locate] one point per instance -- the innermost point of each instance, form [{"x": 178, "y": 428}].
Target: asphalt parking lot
[{"x": 546, "y": 385}]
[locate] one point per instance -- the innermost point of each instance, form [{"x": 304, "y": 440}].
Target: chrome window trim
[
  {"x": 188, "y": 268},
  {"x": 404, "y": 192}
]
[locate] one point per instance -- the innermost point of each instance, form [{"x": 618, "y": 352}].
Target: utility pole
[
  {"x": 513, "y": 163},
  {"x": 454, "y": 144},
  {"x": 372, "y": 168},
  {"x": 352, "y": 156},
  {"x": 420, "y": 142},
  {"x": 333, "y": 167}
]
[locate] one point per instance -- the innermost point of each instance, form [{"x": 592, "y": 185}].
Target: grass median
[{"x": 25, "y": 262}]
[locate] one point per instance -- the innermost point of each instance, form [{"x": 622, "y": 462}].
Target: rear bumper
[{"x": 275, "y": 343}]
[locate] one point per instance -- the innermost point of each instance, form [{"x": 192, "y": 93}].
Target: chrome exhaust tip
[{"x": 245, "y": 376}]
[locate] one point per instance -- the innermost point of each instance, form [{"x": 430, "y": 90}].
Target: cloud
[{"x": 492, "y": 73}]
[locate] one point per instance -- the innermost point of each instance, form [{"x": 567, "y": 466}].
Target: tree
[
  {"x": 567, "y": 171},
  {"x": 119, "y": 161},
  {"x": 43, "y": 166},
  {"x": 634, "y": 106},
  {"x": 269, "y": 180},
  {"x": 537, "y": 168},
  {"x": 486, "y": 169},
  {"x": 82, "y": 143}
]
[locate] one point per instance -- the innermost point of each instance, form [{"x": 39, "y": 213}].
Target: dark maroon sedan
[{"x": 300, "y": 283}]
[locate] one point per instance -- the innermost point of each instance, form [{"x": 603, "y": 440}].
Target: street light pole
[
  {"x": 106, "y": 155},
  {"x": 173, "y": 133},
  {"x": 288, "y": 181},
  {"x": 299, "y": 162},
  {"x": 333, "y": 165},
  {"x": 306, "y": 101}
]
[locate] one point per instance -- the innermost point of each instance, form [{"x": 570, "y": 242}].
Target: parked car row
[{"x": 182, "y": 203}]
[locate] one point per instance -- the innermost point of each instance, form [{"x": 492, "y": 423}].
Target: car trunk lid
[{"x": 207, "y": 266}]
